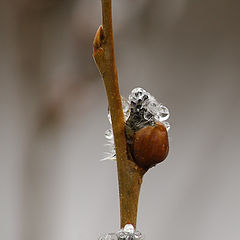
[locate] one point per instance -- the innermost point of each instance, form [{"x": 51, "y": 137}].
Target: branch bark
[{"x": 129, "y": 174}]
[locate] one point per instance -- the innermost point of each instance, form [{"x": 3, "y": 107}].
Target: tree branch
[{"x": 129, "y": 174}]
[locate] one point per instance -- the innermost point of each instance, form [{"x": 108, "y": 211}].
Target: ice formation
[
  {"x": 126, "y": 233},
  {"x": 140, "y": 109}
]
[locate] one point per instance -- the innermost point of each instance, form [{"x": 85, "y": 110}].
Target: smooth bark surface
[{"x": 129, "y": 174}]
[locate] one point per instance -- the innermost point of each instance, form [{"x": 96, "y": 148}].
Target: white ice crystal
[
  {"x": 109, "y": 134},
  {"x": 126, "y": 233},
  {"x": 141, "y": 100},
  {"x": 126, "y": 108},
  {"x": 129, "y": 228},
  {"x": 137, "y": 94}
]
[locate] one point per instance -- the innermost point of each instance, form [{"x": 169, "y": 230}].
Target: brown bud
[{"x": 150, "y": 145}]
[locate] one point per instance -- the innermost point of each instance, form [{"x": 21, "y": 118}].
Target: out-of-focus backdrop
[{"x": 53, "y": 114}]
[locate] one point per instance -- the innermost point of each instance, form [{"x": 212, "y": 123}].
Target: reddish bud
[{"x": 150, "y": 145}]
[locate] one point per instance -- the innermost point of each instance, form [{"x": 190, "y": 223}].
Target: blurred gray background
[{"x": 53, "y": 114}]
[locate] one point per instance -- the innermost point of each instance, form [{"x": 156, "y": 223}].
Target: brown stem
[{"x": 129, "y": 174}]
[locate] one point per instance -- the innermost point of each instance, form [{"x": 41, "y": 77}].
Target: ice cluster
[
  {"x": 126, "y": 233},
  {"x": 145, "y": 109},
  {"x": 140, "y": 109}
]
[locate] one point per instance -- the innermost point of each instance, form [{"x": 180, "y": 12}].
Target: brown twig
[{"x": 129, "y": 174}]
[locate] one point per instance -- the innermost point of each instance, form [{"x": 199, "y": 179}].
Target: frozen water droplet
[
  {"x": 163, "y": 112},
  {"x": 148, "y": 99},
  {"x": 137, "y": 235},
  {"x": 138, "y": 98},
  {"x": 128, "y": 228},
  {"x": 137, "y": 94},
  {"x": 127, "y": 233},
  {"x": 109, "y": 134},
  {"x": 111, "y": 153},
  {"x": 153, "y": 107},
  {"x": 158, "y": 118},
  {"x": 167, "y": 125},
  {"x": 109, "y": 117},
  {"x": 126, "y": 108},
  {"x": 148, "y": 116},
  {"x": 122, "y": 235}
]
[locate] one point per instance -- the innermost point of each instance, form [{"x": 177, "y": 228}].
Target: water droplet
[
  {"x": 137, "y": 235},
  {"x": 148, "y": 116},
  {"x": 126, "y": 108},
  {"x": 109, "y": 117},
  {"x": 153, "y": 107},
  {"x": 167, "y": 125},
  {"x": 122, "y": 235},
  {"x": 138, "y": 98},
  {"x": 163, "y": 112},
  {"x": 127, "y": 233},
  {"x": 128, "y": 228},
  {"x": 137, "y": 94},
  {"x": 109, "y": 134}
]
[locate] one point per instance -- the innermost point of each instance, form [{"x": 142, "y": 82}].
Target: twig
[{"x": 129, "y": 174}]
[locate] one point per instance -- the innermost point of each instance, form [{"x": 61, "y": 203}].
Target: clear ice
[
  {"x": 126, "y": 233},
  {"x": 142, "y": 109},
  {"x": 140, "y": 99},
  {"x": 109, "y": 134}
]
